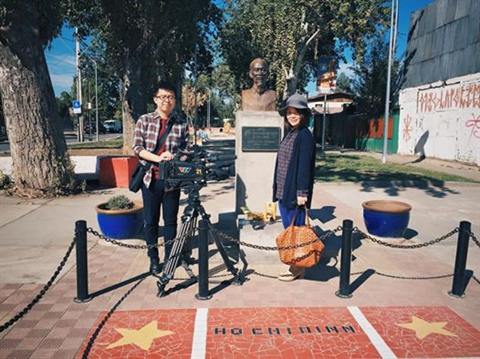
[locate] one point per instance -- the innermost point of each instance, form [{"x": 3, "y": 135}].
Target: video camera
[{"x": 195, "y": 167}]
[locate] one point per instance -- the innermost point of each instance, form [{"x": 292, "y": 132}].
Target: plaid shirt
[
  {"x": 285, "y": 153},
  {"x": 146, "y": 137}
]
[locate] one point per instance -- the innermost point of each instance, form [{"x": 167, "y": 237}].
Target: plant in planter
[{"x": 120, "y": 218}]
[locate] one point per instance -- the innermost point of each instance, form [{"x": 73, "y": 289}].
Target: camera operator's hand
[{"x": 165, "y": 156}]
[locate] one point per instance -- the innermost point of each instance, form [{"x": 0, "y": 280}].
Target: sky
[{"x": 60, "y": 54}]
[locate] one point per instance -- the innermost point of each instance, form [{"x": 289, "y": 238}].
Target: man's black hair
[{"x": 164, "y": 85}]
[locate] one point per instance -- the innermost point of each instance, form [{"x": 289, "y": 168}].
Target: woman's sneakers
[{"x": 292, "y": 274}]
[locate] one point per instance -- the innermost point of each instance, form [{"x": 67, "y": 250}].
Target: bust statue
[{"x": 258, "y": 97}]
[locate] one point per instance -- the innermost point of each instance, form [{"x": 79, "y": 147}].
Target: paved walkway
[{"x": 385, "y": 317}]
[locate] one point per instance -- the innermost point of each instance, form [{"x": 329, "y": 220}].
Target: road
[{"x": 69, "y": 137}]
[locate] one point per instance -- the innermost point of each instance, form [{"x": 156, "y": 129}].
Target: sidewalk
[{"x": 34, "y": 235}]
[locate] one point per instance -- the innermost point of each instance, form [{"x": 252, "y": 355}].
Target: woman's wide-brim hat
[{"x": 296, "y": 101}]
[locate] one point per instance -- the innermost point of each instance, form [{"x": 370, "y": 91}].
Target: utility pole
[
  {"x": 96, "y": 99},
  {"x": 89, "y": 108},
  {"x": 324, "y": 122},
  {"x": 79, "y": 85},
  {"x": 387, "y": 95},
  {"x": 208, "y": 109}
]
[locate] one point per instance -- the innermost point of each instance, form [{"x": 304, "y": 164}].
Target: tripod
[{"x": 190, "y": 215}]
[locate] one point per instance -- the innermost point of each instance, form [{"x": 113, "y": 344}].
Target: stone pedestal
[{"x": 256, "y": 148}]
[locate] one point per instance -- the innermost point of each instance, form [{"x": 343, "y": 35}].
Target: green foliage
[
  {"x": 370, "y": 79},
  {"x": 119, "y": 202},
  {"x": 291, "y": 35},
  {"x": 44, "y": 16},
  {"x": 116, "y": 142},
  {"x": 344, "y": 83},
  {"x": 5, "y": 181},
  {"x": 147, "y": 40}
]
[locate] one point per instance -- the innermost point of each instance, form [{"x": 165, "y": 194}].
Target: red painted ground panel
[
  {"x": 286, "y": 333},
  {"x": 144, "y": 334},
  {"x": 424, "y": 332},
  {"x": 409, "y": 332}
]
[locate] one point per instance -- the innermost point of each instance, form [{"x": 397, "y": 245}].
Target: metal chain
[
  {"x": 413, "y": 278},
  {"x": 42, "y": 292},
  {"x": 126, "y": 245},
  {"x": 474, "y": 238},
  {"x": 267, "y": 248},
  {"x": 269, "y": 276},
  {"x": 411, "y": 246}
]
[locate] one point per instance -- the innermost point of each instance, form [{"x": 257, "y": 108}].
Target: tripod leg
[
  {"x": 221, "y": 249},
  {"x": 172, "y": 262}
]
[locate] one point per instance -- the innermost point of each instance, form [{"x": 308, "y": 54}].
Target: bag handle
[{"x": 307, "y": 217}]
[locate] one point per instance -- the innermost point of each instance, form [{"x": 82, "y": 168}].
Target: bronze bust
[{"x": 258, "y": 97}]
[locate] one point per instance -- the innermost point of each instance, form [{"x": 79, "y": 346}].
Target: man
[
  {"x": 258, "y": 97},
  {"x": 158, "y": 137}
]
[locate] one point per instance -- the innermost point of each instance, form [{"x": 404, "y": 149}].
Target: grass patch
[
  {"x": 358, "y": 168},
  {"x": 116, "y": 142}
]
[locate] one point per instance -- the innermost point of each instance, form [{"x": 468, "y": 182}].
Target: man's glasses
[{"x": 165, "y": 98}]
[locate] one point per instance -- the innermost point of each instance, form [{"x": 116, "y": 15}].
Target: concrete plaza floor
[{"x": 34, "y": 235}]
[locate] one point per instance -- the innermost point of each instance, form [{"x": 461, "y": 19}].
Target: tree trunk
[
  {"x": 134, "y": 102},
  {"x": 41, "y": 165}
]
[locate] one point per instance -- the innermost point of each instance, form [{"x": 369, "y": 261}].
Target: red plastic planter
[{"x": 117, "y": 171}]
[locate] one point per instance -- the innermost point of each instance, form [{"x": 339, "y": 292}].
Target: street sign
[{"x": 77, "y": 107}]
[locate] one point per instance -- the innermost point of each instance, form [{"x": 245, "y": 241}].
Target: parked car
[
  {"x": 113, "y": 126},
  {"x": 91, "y": 128}
]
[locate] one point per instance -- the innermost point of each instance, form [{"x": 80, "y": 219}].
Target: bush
[
  {"x": 119, "y": 202},
  {"x": 5, "y": 181}
]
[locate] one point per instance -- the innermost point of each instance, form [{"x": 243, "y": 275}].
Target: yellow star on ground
[
  {"x": 142, "y": 337},
  {"x": 423, "y": 328}
]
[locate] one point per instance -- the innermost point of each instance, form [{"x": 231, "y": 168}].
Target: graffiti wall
[{"x": 442, "y": 120}]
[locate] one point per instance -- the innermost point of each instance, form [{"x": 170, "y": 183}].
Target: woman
[{"x": 294, "y": 170}]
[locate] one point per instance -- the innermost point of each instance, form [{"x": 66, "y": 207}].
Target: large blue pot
[
  {"x": 120, "y": 223},
  {"x": 386, "y": 218}
]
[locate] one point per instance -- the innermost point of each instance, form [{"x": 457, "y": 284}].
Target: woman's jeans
[
  {"x": 154, "y": 197},
  {"x": 288, "y": 213}
]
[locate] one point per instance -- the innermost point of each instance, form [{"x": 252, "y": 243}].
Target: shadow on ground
[{"x": 392, "y": 182}]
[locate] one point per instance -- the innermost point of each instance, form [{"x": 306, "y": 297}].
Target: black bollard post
[
  {"x": 344, "y": 290},
  {"x": 82, "y": 264},
  {"x": 458, "y": 286},
  {"x": 203, "y": 292}
]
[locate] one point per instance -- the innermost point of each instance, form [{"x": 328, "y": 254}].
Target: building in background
[{"x": 440, "y": 94}]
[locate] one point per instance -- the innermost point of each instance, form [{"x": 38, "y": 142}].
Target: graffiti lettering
[
  {"x": 407, "y": 128},
  {"x": 450, "y": 97},
  {"x": 474, "y": 123}
]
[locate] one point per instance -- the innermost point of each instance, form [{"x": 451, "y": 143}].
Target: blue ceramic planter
[
  {"x": 386, "y": 218},
  {"x": 120, "y": 223}
]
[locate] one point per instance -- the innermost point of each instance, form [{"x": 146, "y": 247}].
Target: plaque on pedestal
[{"x": 258, "y": 138}]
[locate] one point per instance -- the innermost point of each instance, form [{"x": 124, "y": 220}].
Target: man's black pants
[{"x": 154, "y": 197}]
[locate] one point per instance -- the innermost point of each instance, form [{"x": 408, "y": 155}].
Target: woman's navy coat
[{"x": 301, "y": 170}]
